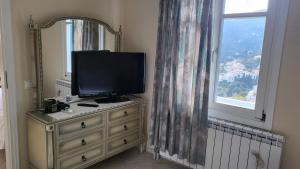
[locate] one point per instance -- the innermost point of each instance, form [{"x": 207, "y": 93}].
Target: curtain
[
  {"x": 85, "y": 35},
  {"x": 77, "y": 35},
  {"x": 90, "y": 39},
  {"x": 180, "y": 100}
]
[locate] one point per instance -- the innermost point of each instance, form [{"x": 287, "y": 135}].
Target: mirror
[{"x": 55, "y": 42}]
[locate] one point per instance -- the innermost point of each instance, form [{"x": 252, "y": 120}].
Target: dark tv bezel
[{"x": 74, "y": 83}]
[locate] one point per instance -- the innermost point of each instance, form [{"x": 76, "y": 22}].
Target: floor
[
  {"x": 2, "y": 159},
  {"x": 132, "y": 159}
]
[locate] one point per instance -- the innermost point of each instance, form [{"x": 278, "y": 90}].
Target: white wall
[
  {"x": 287, "y": 114},
  {"x": 1, "y": 83},
  {"x": 2, "y": 120},
  {"x": 139, "y": 22},
  {"x": 54, "y": 53}
]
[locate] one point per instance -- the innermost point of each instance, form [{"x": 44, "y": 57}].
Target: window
[
  {"x": 240, "y": 51},
  {"x": 243, "y": 42},
  {"x": 69, "y": 43}
]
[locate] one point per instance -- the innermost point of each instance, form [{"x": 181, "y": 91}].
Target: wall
[
  {"x": 109, "y": 41},
  {"x": 2, "y": 120},
  {"x": 1, "y": 64},
  {"x": 139, "y": 25},
  {"x": 43, "y": 10},
  {"x": 54, "y": 53},
  {"x": 140, "y": 31},
  {"x": 287, "y": 114}
]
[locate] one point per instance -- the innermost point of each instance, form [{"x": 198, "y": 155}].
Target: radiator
[
  {"x": 231, "y": 146},
  {"x": 62, "y": 88}
]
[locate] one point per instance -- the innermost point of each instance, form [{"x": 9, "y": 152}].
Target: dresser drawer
[
  {"x": 123, "y": 128},
  {"x": 80, "y": 124},
  {"x": 125, "y": 113},
  {"x": 122, "y": 143},
  {"x": 81, "y": 159},
  {"x": 81, "y": 142}
]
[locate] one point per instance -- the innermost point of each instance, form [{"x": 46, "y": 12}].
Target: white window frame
[
  {"x": 66, "y": 74},
  {"x": 275, "y": 28}
]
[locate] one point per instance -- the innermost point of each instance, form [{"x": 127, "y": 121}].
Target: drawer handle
[
  {"x": 83, "y": 142},
  {"x": 125, "y": 141},
  {"x": 125, "y": 113},
  {"x": 83, "y": 158},
  {"x": 83, "y": 125},
  {"x": 125, "y": 127}
]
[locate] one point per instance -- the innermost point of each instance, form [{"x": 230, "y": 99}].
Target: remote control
[{"x": 87, "y": 105}]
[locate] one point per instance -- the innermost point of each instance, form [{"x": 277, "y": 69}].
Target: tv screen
[{"x": 97, "y": 73}]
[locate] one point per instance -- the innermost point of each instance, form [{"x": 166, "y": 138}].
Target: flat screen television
[{"x": 107, "y": 74}]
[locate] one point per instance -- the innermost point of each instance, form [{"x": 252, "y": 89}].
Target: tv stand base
[{"x": 115, "y": 99}]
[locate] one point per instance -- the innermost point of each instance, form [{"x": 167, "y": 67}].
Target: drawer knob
[
  {"x": 83, "y": 142},
  {"x": 125, "y": 127},
  {"x": 125, "y": 113},
  {"x": 83, "y": 158},
  {"x": 125, "y": 141},
  {"x": 83, "y": 125}
]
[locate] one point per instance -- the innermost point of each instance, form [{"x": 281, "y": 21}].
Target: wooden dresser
[{"x": 84, "y": 136}]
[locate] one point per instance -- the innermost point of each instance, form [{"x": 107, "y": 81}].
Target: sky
[{"x": 245, "y": 6}]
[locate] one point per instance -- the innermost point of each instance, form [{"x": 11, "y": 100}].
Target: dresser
[{"x": 83, "y": 136}]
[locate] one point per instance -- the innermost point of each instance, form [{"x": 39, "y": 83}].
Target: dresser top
[{"x": 78, "y": 111}]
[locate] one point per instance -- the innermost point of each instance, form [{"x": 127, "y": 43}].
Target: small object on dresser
[
  {"x": 62, "y": 106},
  {"x": 52, "y": 106},
  {"x": 87, "y": 105}
]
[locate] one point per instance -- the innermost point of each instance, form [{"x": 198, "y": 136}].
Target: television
[{"x": 107, "y": 74}]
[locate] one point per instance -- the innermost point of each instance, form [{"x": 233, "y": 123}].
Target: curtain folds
[
  {"x": 180, "y": 100},
  {"x": 85, "y": 35},
  {"x": 90, "y": 38}
]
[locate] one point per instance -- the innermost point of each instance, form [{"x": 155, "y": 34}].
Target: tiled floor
[
  {"x": 2, "y": 159},
  {"x": 132, "y": 159}
]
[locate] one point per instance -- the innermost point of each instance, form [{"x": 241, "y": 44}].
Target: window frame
[
  {"x": 276, "y": 18},
  {"x": 66, "y": 74}
]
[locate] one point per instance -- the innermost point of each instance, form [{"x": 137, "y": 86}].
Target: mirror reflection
[{"x": 58, "y": 42}]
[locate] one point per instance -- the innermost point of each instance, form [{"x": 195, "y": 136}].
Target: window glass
[
  {"x": 239, "y": 61},
  {"x": 69, "y": 34}
]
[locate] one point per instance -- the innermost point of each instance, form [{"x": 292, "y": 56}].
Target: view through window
[{"x": 240, "y": 52}]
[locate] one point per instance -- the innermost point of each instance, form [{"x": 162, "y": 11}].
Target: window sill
[{"x": 256, "y": 123}]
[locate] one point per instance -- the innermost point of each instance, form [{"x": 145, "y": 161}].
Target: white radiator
[
  {"x": 62, "y": 88},
  {"x": 232, "y": 146}
]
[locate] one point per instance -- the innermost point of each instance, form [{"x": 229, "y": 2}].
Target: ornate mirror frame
[{"x": 36, "y": 29}]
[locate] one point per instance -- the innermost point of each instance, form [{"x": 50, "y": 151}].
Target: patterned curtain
[
  {"x": 77, "y": 35},
  {"x": 90, "y": 38},
  {"x": 85, "y": 35},
  {"x": 180, "y": 102}
]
